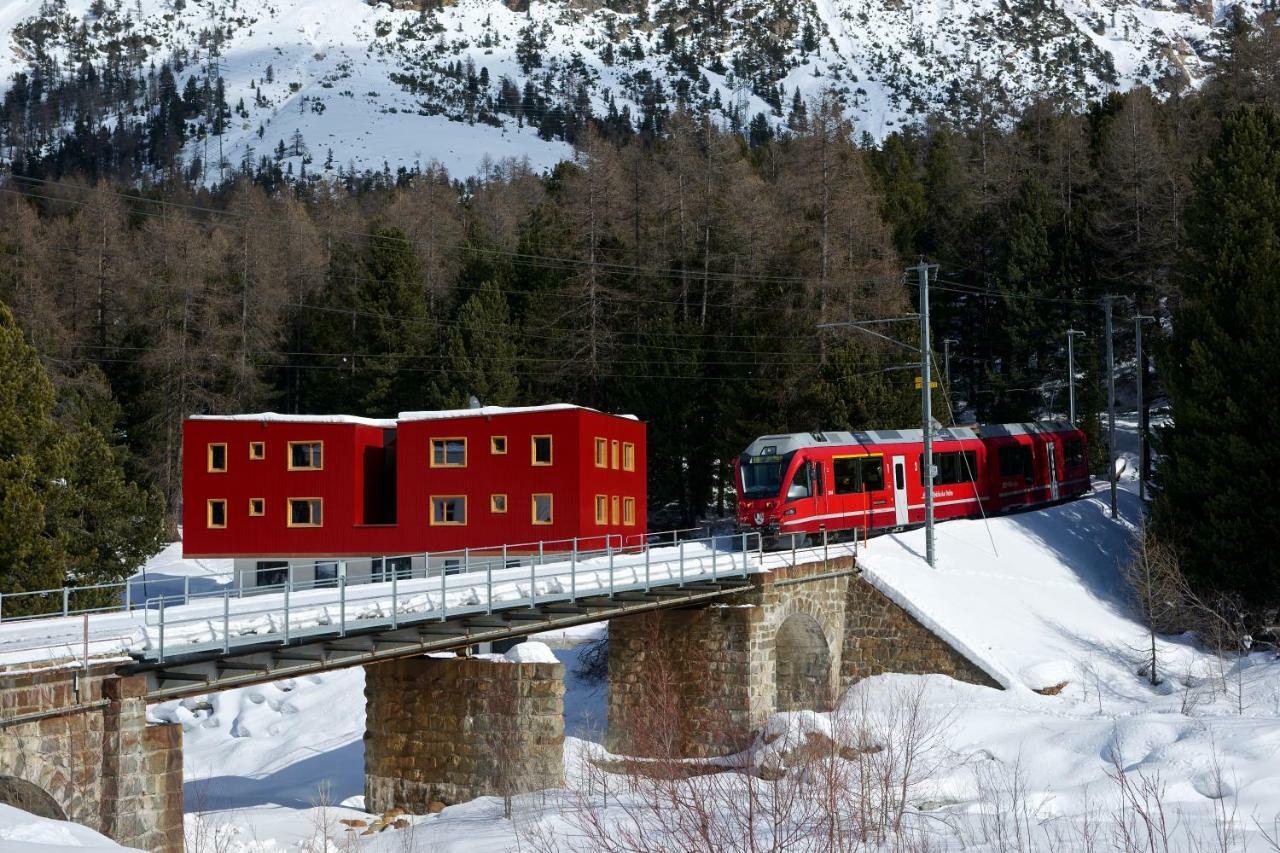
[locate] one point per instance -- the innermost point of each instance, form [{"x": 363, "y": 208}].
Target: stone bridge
[{"x": 440, "y": 730}]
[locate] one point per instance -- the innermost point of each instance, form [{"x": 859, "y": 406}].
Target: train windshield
[{"x": 762, "y": 475}]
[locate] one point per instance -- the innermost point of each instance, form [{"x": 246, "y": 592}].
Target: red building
[{"x": 326, "y": 495}]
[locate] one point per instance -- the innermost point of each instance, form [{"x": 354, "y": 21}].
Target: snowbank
[{"x": 21, "y": 832}]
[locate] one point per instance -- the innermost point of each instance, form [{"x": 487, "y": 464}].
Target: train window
[
  {"x": 540, "y": 446},
  {"x": 955, "y": 467},
  {"x": 899, "y": 478},
  {"x": 1015, "y": 460},
  {"x": 854, "y": 474},
  {"x": 1073, "y": 452},
  {"x": 762, "y": 475},
  {"x": 799, "y": 487}
]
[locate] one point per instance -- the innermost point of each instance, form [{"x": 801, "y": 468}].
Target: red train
[{"x": 870, "y": 482}]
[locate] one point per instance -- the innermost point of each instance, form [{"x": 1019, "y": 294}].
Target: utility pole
[
  {"x": 926, "y": 405},
  {"x": 1071, "y": 374},
  {"x": 1142, "y": 405},
  {"x": 1111, "y": 406}
]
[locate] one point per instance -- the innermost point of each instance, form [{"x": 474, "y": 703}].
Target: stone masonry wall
[
  {"x": 882, "y": 637},
  {"x": 104, "y": 767},
  {"x": 452, "y": 729},
  {"x": 701, "y": 681}
]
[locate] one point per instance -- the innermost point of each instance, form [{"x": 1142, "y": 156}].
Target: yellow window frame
[
  {"x": 209, "y": 457},
  {"x": 208, "y": 513},
  {"x": 493, "y": 445},
  {"x": 466, "y": 517},
  {"x": 493, "y": 504},
  {"x": 289, "y": 514},
  {"x": 614, "y": 454},
  {"x": 294, "y": 444},
  {"x": 261, "y": 507},
  {"x": 602, "y": 452},
  {"x": 615, "y": 513},
  {"x": 257, "y": 451},
  {"x": 533, "y": 508},
  {"x": 628, "y": 456},
  {"x": 533, "y": 451},
  {"x": 629, "y": 512},
  {"x": 602, "y": 509},
  {"x": 445, "y": 453}
]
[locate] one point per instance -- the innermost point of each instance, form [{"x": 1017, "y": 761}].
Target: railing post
[
  {"x": 744, "y": 550},
  {"x": 825, "y": 556},
  {"x": 395, "y": 612},
  {"x": 647, "y": 583},
  {"x": 1, "y": 606},
  {"x": 161, "y": 629},
  {"x": 610, "y": 571},
  {"x": 793, "y": 549},
  {"x": 66, "y": 600},
  {"x": 342, "y": 605},
  {"x": 533, "y": 580},
  {"x": 186, "y": 589},
  {"x": 226, "y": 621},
  {"x": 682, "y": 563},
  {"x": 128, "y": 595},
  {"x": 466, "y": 560},
  {"x": 287, "y": 588},
  {"x": 573, "y": 571},
  {"x": 488, "y": 581},
  {"x": 713, "y": 557},
  {"x": 542, "y": 557},
  {"x": 444, "y": 591}
]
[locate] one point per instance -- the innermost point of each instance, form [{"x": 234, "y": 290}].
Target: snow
[
  {"x": 1034, "y": 599},
  {"x": 369, "y": 86},
  {"x": 21, "y": 832},
  {"x": 275, "y": 417},
  {"x": 531, "y": 652}
]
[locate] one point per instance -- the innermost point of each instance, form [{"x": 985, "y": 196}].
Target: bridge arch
[
  {"x": 802, "y": 664},
  {"x": 29, "y": 797}
]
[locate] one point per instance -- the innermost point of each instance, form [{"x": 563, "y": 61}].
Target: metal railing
[{"x": 300, "y": 610}]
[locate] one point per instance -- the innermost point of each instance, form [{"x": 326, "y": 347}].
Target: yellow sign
[{"x": 920, "y": 384}]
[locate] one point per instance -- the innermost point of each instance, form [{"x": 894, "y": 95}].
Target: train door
[
  {"x": 1051, "y": 449},
  {"x": 819, "y": 491},
  {"x": 900, "y": 490}
]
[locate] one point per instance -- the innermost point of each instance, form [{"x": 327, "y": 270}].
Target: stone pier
[
  {"x": 702, "y": 681},
  {"x": 449, "y": 730},
  {"x": 96, "y": 761}
]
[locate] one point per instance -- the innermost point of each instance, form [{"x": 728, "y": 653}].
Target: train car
[{"x": 870, "y": 482}]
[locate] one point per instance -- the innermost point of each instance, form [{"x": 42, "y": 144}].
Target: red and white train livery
[{"x": 868, "y": 482}]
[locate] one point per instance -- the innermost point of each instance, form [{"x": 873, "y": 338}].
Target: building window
[
  {"x": 498, "y": 445},
  {"x": 257, "y": 506},
  {"x": 602, "y": 453},
  {"x": 614, "y": 456},
  {"x": 497, "y": 503},
  {"x": 306, "y": 455},
  {"x": 602, "y": 502},
  {"x": 326, "y": 574},
  {"x": 629, "y": 511},
  {"x": 271, "y": 573},
  {"x": 257, "y": 450},
  {"x": 217, "y": 457},
  {"x": 216, "y": 513},
  {"x": 448, "y": 509},
  {"x": 385, "y": 568},
  {"x": 541, "y": 449},
  {"x": 615, "y": 516},
  {"x": 448, "y": 453},
  {"x": 628, "y": 456},
  {"x": 541, "y": 509},
  {"x": 306, "y": 512}
]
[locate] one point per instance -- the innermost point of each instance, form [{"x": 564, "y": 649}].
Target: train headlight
[{"x": 759, "y": 518}]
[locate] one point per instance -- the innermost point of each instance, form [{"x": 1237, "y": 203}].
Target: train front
[{"x": 759, "y": 474}]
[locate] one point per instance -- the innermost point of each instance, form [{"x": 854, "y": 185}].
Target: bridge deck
[{"x": 224, "y": 639}]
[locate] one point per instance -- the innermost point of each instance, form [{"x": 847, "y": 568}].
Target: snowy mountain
[{"x": 351, "y": 83}]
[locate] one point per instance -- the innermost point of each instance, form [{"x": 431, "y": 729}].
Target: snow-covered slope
[
  {"x": 21, "y": 832},
  {"x": 365, "y": 84}
]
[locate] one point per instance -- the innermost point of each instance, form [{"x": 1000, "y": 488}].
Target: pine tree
[
  {"x": 480, "y": 352},
  {"x": 1221, "y": 457}
]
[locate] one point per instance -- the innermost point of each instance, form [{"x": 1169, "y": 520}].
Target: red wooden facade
[{"x": 315, "y": 486}]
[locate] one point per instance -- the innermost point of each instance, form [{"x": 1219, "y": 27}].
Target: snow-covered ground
[
  {"x": 25, "y": 833},
  {"x": 1033, "y": 597}
]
